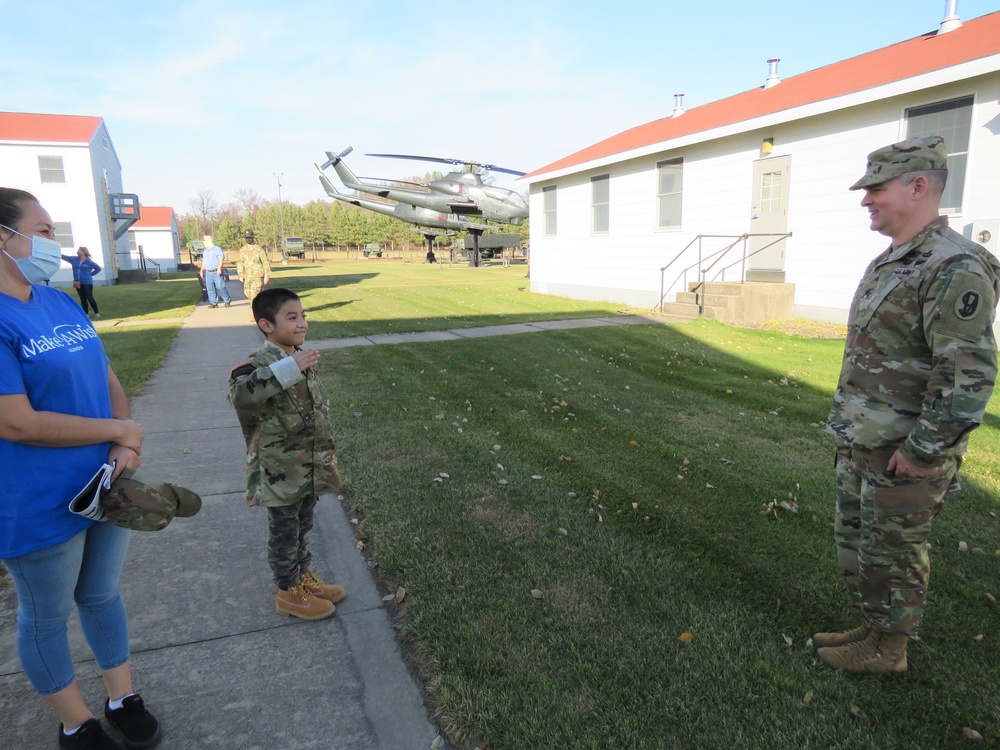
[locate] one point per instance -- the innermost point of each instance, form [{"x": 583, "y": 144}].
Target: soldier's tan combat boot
[
  {"x": 297, "y": 602},
  {"x": 329, "y": 591},
  {"x": 877, "y": 653},
  {"x": 825, "y": 640}
]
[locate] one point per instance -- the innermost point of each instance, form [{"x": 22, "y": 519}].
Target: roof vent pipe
[
  {"x": 951, "y": 21},
  {"x": 678, "y": 105},
  {"x": 772, "y": 73}
]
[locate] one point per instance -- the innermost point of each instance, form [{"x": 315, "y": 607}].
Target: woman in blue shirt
[
  {"x": 84, "y": 269},
  {"x": 63, "y": 413}
]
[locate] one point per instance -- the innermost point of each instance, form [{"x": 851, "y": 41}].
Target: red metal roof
[
  {"x": 975, "y": 39},
  {"x": 32, "y": 128},
  {"x": 154, "y": 217}
]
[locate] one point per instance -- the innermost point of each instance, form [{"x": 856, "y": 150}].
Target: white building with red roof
[
  {"x": 69, "y": 163},
  {"x": 776, "y": 160},
  {"x": 153, "y": 240}
]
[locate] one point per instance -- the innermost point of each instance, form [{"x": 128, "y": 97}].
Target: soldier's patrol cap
[
  {"x": 145, "y": 505},
  {"x": 913, "y": 155}
]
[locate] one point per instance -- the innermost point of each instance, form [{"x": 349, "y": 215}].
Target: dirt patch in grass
[
  {"x": 504, "y": 519},
  {"x": 810, "y": 329}
]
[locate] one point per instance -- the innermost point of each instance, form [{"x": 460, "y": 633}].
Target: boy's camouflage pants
[
  {"x": 882, "y": 525},
  {"x": 287, "y": 547}
]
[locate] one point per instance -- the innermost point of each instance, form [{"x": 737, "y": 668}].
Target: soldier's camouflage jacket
[
  {"x": 252, "y": 263},
  {"x": 921, "y": 359},
  {"x": 287, "y": 428}
]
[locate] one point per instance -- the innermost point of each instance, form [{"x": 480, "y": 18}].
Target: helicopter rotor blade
[{"x": 456, "y": 162}]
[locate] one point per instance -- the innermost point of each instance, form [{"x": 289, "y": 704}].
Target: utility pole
[{"x": 281, "y": 218}]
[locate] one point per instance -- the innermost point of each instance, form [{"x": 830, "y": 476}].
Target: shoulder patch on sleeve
[
  {"x": 967, "y": 306},
  {"x": 242, "y": 369}
]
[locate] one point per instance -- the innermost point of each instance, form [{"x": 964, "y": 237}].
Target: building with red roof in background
[
  {"x": 775, "y": 162},
  {"x": 69, "y": 163},
  {"x": 153, "y": 240}
]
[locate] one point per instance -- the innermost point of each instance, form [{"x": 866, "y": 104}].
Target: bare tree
[
  {"x": 206, "y": 210},
  {"x": 249, "y": 199}
]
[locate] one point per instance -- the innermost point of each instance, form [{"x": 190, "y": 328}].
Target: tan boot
[
  {"x": 329, "y": 591},
  {"x": 297, "y": 602},
  {"x": 877, "y": 653},
  {"x": 825, "y": 640}
]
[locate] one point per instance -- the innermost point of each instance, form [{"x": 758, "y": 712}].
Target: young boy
[{"x": 285, "y": 415}]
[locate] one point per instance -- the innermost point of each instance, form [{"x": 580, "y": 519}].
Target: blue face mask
[{"x": 43, "y": 262}]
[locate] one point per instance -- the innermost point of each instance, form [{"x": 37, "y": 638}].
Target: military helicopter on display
[{"x": 441, "y": 204}]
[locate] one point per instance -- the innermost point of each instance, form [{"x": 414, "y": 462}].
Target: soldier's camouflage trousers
[
  {"x": 882, "y": 525},
  {"x": 252, "y": 286},
  {"x": 287, "y": 545}
]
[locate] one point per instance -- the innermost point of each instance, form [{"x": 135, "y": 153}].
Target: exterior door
[{"x": 769, "y": 215}]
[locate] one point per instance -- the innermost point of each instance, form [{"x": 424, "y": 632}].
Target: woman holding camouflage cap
[{"x": 63, "y": 413}]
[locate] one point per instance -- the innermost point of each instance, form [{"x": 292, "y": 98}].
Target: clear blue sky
[{"x": 222, "y": 94}]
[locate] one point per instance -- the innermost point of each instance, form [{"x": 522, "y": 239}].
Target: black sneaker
[
  {"x": 138, "y": 727},
  {"x": 213, "y": 305},
  {"x": 90, "y": 736}
]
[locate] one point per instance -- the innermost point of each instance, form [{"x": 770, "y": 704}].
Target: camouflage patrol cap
[
  {"x": 913, "y": 155},
  {"x": 143, "y": 505}
]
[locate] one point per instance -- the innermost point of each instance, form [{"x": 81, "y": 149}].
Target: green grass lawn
[
  {"x": 139, "y": 321},
  {"x": 564, "y": 510},
  {"x": 383, "y": 296}
]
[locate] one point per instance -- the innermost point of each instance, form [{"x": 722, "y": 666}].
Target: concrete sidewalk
[{"x": 213, "y": 661}]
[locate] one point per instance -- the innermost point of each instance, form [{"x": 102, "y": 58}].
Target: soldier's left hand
[{"x": 901, "y": 466}]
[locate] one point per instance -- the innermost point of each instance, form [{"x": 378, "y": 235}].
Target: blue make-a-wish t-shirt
[{"x": 50, "y": 352}]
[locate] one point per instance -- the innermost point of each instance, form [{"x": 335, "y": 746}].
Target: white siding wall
[
  {"x": 160, "y": 245},
  {"x": 831, "y": 243}
]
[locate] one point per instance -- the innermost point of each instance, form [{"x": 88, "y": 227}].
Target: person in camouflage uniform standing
[
  {"x": 919, "y": 368},
  {"x": 252, "y": 266},
  {"x": 284, "y": 412}
]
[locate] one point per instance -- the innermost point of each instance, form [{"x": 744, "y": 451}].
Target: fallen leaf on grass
[
  {"x": 972, "y": 735},
  {"x": 978, "y": 637},
  {"x": 633, "y": 443},
  {"x": 787, "y": 640},
  {"x": 808, "y": 697},
  {"x": 399, "y": 595},
  {"x": 635, "y": 506},
  {"x": 963, "y": 547},
  {"x": 537, "y": 594},
  {"x": 685, "y": 637},
  {"x": 570, "y": 494},
  {"x": 537, "y": 476},
  {"x": 861, "y": 715},
  {"x": 562, "y": 532},
  {"x": 990, "y": 598},
  {"x": 354, "y": 522},
  {"x": 388, "y": 597},
  {"x": 438, "y": 743},
  {"x": 565, "y": 458}
]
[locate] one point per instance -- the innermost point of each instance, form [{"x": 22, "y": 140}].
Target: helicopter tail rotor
[{"x": 332, "y": 159}]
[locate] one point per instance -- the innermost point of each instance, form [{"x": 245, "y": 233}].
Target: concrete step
[{"x": 680, "y": 309}]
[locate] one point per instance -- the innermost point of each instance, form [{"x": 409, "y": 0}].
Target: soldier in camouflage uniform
[
  {"x": 919, "y": 367},
  {"x": 252, "y": 267},
  {"x": 284, "y": 412}
]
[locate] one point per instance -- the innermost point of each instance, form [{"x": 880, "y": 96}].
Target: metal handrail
[{"x": 718, "y": 255}]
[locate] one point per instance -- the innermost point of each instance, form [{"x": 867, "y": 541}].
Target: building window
[
  {"x": 669, "y": 176},
  {"x": 769, "y": 199},
  {"x": 953, "y": 121},
  {"x": 51, "y": 169},
  {"x": 600, "y": 203},
  {"x": 549, "y": 209},
  {"x": 64, "y": 233}
]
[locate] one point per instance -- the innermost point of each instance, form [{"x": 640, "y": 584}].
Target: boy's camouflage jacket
[{"x": 290, "y": 451}]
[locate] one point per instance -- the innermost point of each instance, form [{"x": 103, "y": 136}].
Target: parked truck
[{"x": 293, "y": 247}]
